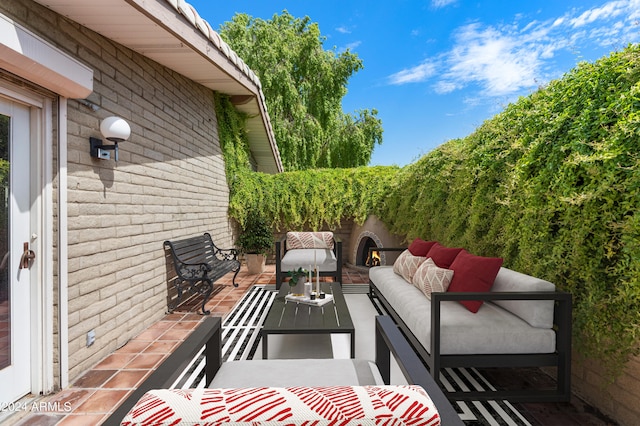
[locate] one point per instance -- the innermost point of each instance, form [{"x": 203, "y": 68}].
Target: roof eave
[{"x": 172, "y": 33}]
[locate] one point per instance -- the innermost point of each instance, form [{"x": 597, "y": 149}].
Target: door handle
[{"x": 27, "y": 256}]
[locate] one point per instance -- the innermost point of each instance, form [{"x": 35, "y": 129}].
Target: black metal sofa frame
[
  {"x": 436, "y": 361},
  {"x": 198, "y": 263},
  {"x": 281, "y": 250},
  {"x": 389, "y": 341}
]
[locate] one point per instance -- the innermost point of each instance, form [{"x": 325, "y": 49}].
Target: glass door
[{"x": 16, "y": 258}]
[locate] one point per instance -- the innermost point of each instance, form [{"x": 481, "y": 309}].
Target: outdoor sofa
[
  {"x": 289, "y": 385},
  {"x": 491, "y": 316}
]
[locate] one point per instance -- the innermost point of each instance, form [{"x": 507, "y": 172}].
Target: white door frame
[{"x": 42, "y": 312}]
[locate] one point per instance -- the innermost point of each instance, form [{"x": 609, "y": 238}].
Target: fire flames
[{"x": 373, "y": 259}]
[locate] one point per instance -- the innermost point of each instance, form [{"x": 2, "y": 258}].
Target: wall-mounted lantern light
[{"x": 114, "y": 129}]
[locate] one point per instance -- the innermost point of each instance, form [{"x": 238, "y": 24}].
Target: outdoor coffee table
[{"x": 287, "y": 317}]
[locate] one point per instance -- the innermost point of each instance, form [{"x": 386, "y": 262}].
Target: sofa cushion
[
  {"x": 407, "y": 264},
  {"x": 473, "y": 274},
  {"x": 308, "y": 372},
  {"x": 429, "y": 278},
  {"x": 309, "y": 240},
  {"x": 419, "y": 247},
  {"x": 346, "y": 405},
  {"x": 303, "y": 258},
  {"x": 538, "y": 313},
  {"x": 492, "y": 330},
  {"x": 443, "y": 256}
]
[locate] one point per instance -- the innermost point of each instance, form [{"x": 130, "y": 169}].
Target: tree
[{"x": 304, "y": 85}]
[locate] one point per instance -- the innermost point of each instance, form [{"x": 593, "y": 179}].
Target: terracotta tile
[
  {"x": 42, "y": 419},
  {"x": 133, "y": 346},
  {"x": 162, "y": 325},
  {"x": 82, "y": 420},
  {"x": 175, "y": 335},
  {"x": 115, "y": 361},
  {"x": 187, "y": 325},
  {"x": 149, "y": 335},
  {"x": 161, "y": 347},
  {"x": 70, "y": 397},
  {"x": 192, "y": 317},
  {"x": 103, "y": 401},
  {"x": 145, "y": 361},
  {"x": 127, "y": 379},
  {"x": 94, "y": 378},
  {"x": 176, "y": 316}
]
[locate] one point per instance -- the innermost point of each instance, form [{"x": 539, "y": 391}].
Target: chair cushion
[
  {"x": 429, "y": 278},
  {"x": 473, "y": 274},
  {"x": 407, "y": 264},
  {"x": 443, "y": 256},
  {"x": 346, "y": 405},
  {"x": 296, "y": 372},
  {"x": 538, "y": 313},
  {"x": 325, "y": 259},
  {"x": 419, "y": 247},
  {"x": 309, "y": 240}
]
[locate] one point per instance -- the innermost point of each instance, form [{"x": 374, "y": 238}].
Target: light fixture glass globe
[{"x": 115, "y": 129}]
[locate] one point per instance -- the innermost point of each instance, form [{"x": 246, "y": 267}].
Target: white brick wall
[{"x": 169, "y": 183}]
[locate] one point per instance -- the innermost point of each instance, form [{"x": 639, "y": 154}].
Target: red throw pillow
[
  {"x": 420, "y": 247},
  {"x": 443, "y": 256},
  {"x": 473, "y": 274}
]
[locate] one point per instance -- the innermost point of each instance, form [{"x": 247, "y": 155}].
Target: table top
[{"x": 286, "y": 317}]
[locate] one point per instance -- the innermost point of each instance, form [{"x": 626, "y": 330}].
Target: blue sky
[{"x": 436, "y": 69}]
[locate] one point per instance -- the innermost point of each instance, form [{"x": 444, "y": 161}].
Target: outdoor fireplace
[
  {"x": 364, "y": 257},
  {"x": 372, "y": 233}
]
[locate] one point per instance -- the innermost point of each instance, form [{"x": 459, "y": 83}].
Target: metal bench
[{"x": 198, "y": 263}]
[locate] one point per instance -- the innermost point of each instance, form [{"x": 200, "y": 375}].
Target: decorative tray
[{"x": 307, "y": 301}]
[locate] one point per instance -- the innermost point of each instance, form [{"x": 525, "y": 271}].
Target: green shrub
[{"x": 552, "y": 185}]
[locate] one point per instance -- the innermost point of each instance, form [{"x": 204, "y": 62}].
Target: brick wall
[
  {"x": 169, "y": 183},
  {"x": 618, "y": 399}
]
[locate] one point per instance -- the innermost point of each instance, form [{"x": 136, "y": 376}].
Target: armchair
[{"x": 304, "y": 249}]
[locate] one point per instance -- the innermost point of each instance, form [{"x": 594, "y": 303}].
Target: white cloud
[
  {"x": 352, "y": 46},
  {"x": 343, "y": 30},
  {"x": 442, "y": 3},
  {"x": 508, "y": 59},
  {"x": 609, "y": 10},
  {"x": 496, "y": 61},
  {"x": 415, "y": 74}
]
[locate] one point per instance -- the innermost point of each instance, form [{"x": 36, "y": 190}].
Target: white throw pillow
[
  {"x": 429, "y": 278},
  {"x": 407, "y": 264}
]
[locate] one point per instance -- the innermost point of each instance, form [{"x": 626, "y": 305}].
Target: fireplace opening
[{"x": 363, "y": 258}]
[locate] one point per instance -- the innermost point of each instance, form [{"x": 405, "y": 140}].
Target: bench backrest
[{"x": 198, "y": 250}]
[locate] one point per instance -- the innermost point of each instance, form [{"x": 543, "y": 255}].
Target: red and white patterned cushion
[
  {"x": 407, "y": 264},
  {"x": 312, "y": 240},
  {"x": 429, "y": 278},
  {"x": 351, "y": 405}
]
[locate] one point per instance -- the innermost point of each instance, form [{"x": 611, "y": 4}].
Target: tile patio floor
[{"x": 98, "y": 392}]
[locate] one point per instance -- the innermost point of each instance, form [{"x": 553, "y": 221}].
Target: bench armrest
[{"x": 227, "y": 254}]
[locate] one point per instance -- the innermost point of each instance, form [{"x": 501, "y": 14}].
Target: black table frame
[{"x": 286, "y": 317}]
